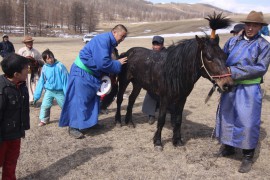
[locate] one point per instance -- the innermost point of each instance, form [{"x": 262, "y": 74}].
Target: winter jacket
[
  {"x": 6, "y": 47},
  {"x": 14, "y": 110},
  {"x": 53, "y": 77}
]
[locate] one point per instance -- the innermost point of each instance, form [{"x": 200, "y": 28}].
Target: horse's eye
[{"x": 208, "y": 57}]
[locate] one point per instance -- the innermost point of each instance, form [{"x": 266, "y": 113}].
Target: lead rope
[
  {"x": 211, "y": 163},
  {"x": 215, "y": 155}
]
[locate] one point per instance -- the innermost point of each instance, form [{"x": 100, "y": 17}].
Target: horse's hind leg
[
  {"x": 160, "y": 124},
  {"x": 122, "y": 87},
  {"x": 131, "y": 100}
]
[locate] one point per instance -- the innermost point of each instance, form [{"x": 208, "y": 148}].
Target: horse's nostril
[{"x": 227, "y": 87}]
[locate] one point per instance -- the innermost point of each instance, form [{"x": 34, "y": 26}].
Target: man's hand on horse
[{"x": 123, "y": 60}]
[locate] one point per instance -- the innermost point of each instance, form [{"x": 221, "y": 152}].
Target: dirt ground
[{"x": 128, "y": 153}]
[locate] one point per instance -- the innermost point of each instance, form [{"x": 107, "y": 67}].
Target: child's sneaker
[{"x": 41, "y": 124}]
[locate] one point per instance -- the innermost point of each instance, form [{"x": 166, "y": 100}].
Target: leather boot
[
  {"x": 227, "y": 151},
  {"x": 246, "y": 164},
  {"x": 76, "y": 133},
  {"x": 151, "y": 119}
]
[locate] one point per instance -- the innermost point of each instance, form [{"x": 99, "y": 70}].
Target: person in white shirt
[{"x": 35, "y": 64}]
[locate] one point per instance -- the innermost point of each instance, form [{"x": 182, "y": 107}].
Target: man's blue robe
[
  {"x": 239, "y": 111},
  {"x": 81, "y": 106}
]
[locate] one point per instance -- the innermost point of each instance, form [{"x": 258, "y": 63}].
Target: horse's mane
[{"x": 181, "y": 69}]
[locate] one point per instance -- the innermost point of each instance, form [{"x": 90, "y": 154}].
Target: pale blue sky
[{"x": 239, "y": 6}]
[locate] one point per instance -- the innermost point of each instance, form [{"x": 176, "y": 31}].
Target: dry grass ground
[{"x": 127, "y": 153}]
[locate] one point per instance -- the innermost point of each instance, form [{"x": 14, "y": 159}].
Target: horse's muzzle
[
  {"x": 225, "y": 84},
  {"x": 227, "y": 87}
]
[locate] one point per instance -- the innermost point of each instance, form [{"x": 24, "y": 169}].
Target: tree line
[{"x": 80, "y": 16}]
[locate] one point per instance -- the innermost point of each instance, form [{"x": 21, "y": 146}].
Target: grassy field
[{"x": 128, "y": 153}]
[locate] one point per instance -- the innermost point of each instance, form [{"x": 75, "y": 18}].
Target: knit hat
[
  {"x": 4, "y": 35},
  {"x": 255, "y": 17}
]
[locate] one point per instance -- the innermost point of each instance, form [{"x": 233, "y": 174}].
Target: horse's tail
[{"x": 108, "y": 99}]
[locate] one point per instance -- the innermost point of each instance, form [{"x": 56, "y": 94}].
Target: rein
[{"x": 215, "y": 76}]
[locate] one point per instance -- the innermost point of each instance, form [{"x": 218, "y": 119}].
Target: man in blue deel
[
  {"x": 81, "y": 107},
  {"x": 239, "y": 112}
]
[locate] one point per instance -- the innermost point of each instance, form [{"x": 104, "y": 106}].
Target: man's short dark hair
[
  {"x": 120, "y": 27},
  {"x": 13, "y": 63},
  {"x": 46, "y": 53}
]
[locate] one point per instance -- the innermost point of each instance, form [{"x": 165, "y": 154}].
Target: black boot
[
  {"x": 246, "y": 164},
  {"x": 228, "y": 151},
  {"x": 151, "y": 119},
  {"x": 76, "y": 133}
]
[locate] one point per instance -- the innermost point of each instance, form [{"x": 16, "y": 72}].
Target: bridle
[
  {"x": 212, "y": 79},
  {"x": 215, "y": 76}
]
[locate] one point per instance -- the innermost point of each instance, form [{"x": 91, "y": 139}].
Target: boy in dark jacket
[{"x": 14, "y": 111}]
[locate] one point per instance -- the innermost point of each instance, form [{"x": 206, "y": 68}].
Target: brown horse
[{"x": 171, "y": 76}]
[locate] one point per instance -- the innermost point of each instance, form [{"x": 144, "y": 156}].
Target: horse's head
[{"x": 213, "y": 63}]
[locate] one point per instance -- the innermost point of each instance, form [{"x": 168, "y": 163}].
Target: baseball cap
[
  {"x": 158, "y": 39},
  {"x": 237, "y": 28}
]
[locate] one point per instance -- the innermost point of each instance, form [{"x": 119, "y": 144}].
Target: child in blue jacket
[{"x": 53, "y": 78}]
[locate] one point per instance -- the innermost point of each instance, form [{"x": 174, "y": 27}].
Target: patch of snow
[{"x": 147, "y": 31}]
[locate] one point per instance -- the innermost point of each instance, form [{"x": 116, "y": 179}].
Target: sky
[{"x": 239, "y": 6}]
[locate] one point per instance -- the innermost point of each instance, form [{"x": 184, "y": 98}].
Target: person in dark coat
[
  {"x": 6, "y": 46},
  {"x": 149, "y": 103},
  {"x": 14, "y": 111}
]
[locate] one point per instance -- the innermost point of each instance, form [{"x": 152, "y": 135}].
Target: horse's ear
[{"x": 199, "y": 41}]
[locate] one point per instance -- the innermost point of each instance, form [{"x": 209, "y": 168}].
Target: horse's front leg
[
  {"x": 160, "y": 124},
  {"x": 176, "y": 119},
  {"x": 131, "y": 100}
]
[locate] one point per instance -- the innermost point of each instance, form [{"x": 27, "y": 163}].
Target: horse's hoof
[
  {"x": 178, "y": 143},
  {"x": 158, "y": 148},
  {"x": 131, "y": 125},
  {"x": 118, "y": 124}
]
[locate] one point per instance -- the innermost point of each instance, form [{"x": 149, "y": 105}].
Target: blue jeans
[{"x": 47, "y": 103}]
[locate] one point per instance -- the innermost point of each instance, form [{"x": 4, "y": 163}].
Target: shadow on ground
[{"x": 64, "y": 165}]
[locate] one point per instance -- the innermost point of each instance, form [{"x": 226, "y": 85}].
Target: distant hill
[
  {"x": 142, "y": 10},
  {"x": 51, "y": 17},
  {"x": 192, "y": 10}
]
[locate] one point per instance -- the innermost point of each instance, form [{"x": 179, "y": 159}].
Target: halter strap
[{"x": 215, "y": 76}]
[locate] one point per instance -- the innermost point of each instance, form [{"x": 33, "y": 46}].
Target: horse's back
[{"x": 145, "y": 67}]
